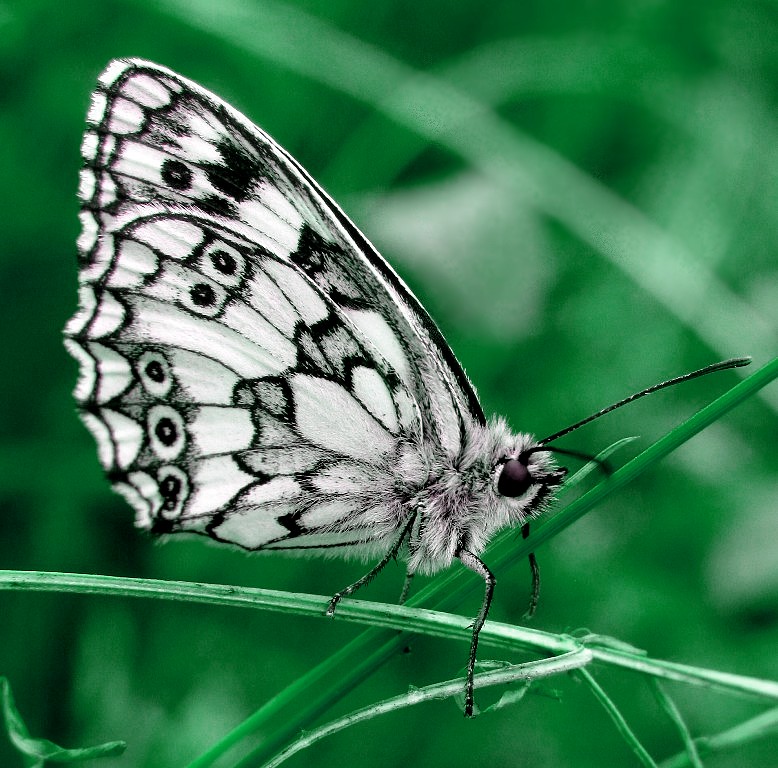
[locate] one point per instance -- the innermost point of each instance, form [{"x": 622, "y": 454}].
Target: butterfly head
[
  {"x": 522, "y": 474},
  {"x": 521, "y": 470},
  {"x": 514, "y": 477}
]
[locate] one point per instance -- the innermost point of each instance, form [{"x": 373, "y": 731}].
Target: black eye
[{"x": 514, "y": 478}]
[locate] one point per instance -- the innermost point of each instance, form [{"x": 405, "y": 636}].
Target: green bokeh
[{"x": 582, "y": 194}]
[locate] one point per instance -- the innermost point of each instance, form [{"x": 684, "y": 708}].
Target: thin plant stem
[
  {"x": 764, "y": 724},
  {"x": 508, "y": 674},
  {"x": 618, "y": 720},
  {"x": 505, "y": 637},
  {"x": 669, "y": 706}
]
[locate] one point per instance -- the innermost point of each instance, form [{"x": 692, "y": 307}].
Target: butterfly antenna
[{"x": 735, "y": 362}]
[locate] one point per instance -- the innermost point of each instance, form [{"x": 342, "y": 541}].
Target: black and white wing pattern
[{"x": 250, "y": 365}]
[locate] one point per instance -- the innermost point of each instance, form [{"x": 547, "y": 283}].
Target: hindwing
[{"x": 224, "y": 388}]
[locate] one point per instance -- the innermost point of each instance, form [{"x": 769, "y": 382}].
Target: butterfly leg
[
  {"x": 406, "y": 586},
  {"x": 373, "y": 572},
  {"x": 475, "y": 564},
  {"x": 533, "y": 564}
]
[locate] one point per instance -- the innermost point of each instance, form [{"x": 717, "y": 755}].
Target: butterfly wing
[
  {"x": 249, "y": 364},
  {"x": 227, "y": 394},
  {"x": 181, "y": 144}
]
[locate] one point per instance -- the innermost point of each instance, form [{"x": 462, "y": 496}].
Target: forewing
[{"x": 159, "y": 138}]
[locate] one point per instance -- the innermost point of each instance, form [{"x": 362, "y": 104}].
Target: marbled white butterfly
[{"x": 252, "y": 369}]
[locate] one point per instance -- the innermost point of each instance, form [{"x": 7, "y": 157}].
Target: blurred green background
[{"x": 584, "y": 197}]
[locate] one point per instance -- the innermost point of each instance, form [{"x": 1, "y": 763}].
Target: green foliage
[
  {"x": 37, "y": 752},
  {"x": 583, "y": 196}
]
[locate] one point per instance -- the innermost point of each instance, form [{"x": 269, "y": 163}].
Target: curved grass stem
[
  {"x": 504, "y": 676},
  {"x": 298, "y": 705}
]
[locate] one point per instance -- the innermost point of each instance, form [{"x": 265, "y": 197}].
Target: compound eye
[{"x": 514, "y": 478}]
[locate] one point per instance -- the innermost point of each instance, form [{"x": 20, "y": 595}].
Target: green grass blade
[
  {"x": 505, "y": 637},
  {"x": 286, "y": 714}
]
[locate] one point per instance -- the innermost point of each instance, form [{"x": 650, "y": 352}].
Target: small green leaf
[
  {"x": 509, "y": 697},
  {"x": 38, "y": 751},
  {"x": 595, "y": 640}
]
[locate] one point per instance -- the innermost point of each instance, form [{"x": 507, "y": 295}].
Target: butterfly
[{"x": 253, "y": 371}]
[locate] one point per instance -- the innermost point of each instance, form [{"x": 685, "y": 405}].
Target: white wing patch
[
  {"x": 218, "y": 429},
  {"x": 125, "y": 437},
  {"x": 307, "y": 302},
  {"x": 252, "y": 527},
  {"x": 374, "y": 327},
  {"x": 216, "y": 481},
  {"x": 134, "y": 263},
  {"x": 201, "y": 379},
  {"x": 327, "y": 415},
  {"x": 331, "y": 513},
  {"x": 371, "y": 390},
  {"x": 146, "y": 91},
  {"x": 174, "y": 237}
]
